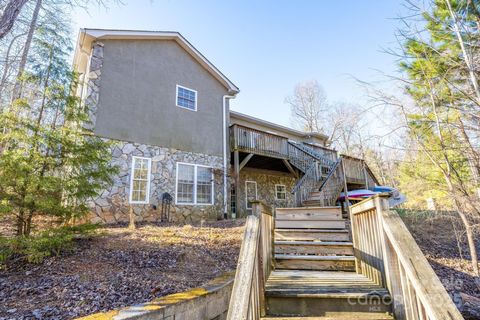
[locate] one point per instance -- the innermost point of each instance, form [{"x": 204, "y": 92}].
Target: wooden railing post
[{"x": 254, "y": 266}]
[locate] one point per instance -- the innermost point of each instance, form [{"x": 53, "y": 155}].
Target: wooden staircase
[
  {"x": 314, "y": 276},
  {"x": 306, "y": 263},
  {"x": 329, "y": 250}
]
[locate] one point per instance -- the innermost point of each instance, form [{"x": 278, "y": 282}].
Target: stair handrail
[
  {"x": 308, "y": 183},
  {"x": 312, "y": 153},
  {"x": 332, "y": 184},
  {"x": 387, "y": 254},
  {"x": 255, "y": 264}
]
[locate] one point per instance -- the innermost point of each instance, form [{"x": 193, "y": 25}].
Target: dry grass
[{"x": 120, "y": 267}]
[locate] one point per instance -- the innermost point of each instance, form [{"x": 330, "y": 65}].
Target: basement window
[
  {"x": 280, "y": 192},
  {"x": 194, "y": 184},
  {"x": 186, "y": 98},
  {"x": 140, "y": 180}
]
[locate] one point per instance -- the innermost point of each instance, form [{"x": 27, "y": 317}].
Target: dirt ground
[
  {"x": 120, "y": 268},
  {"x": 442, "y": 240}
]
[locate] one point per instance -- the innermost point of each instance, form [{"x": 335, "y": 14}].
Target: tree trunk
[
  {"x": 131, "y": 215},
  {"x": 6, "y": 68},
  {"x": 17, "y": 90},
  {"x": 470, "y": 239},
  {"x": 9, "y": 16},
  {"x": 20, "y": 223}
]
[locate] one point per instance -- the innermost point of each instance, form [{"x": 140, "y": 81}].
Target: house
[{"x": 166, "y": 108}]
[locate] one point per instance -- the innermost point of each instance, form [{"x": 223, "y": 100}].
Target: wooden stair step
[
  {"x": 309, "y": 262},
  {"x": 309, "y": 224},
  {"x": 309, "y": 213},
  {"x": 312, "y": 234},
  {"x": 317, "y": 248},
  {"x": 352, "y": 316}
]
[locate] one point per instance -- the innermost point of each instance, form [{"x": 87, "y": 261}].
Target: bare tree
[
  {"x": 308, "y": 105},
  {"x": 10, "y": 15}
]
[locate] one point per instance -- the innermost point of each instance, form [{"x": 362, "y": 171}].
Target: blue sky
[{"x": 266, "y": 47}]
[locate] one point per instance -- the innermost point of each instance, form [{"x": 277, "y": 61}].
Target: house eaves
[{"x": 277, "y": 127}]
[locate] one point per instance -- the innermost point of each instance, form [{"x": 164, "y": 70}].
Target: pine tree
[
  {"x": 50, "y": 164},
  {"x": 443, "y": 92}
]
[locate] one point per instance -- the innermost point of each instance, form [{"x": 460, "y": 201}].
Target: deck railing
[
  {"x": 328, "y": 153},
  {"x": 308, "y": 183},
  {"x": 386, "y": 253},
  {"x": 332, "y": 185},
  {"x": 258, "y": 142},
  {"x": 354, "y": 169},
  {"x": 299, "y": 157},
  {"x": 254, "y": 266}
]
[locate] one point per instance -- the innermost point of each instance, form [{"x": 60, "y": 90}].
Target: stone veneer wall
[
  {"x": 266, "y": 181},
  {"x": 93, "y": 83},
  {"x": 113, "y": 204}
]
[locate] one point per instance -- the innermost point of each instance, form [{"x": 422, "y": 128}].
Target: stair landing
[{"x": 332, "y": 283}]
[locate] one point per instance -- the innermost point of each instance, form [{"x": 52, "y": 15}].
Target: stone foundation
[
  {"x": 266, "y": 181},
  {"x": 112, "y": 205}
]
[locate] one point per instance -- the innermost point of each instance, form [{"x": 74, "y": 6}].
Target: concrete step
[
  {"x": 314, "y": 248},
  {"x": 309, "y": 262},
  {"x": 309, "y": 224},
  {"x": 309, "y": 213},
  {"x": 337, "y": 306},
  {"x": 311, "y": 235}
]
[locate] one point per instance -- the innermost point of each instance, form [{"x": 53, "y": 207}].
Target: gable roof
[{"x": 87, "y": 36}]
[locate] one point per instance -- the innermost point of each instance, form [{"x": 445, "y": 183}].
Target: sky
[{"x": 267, "y": 47}]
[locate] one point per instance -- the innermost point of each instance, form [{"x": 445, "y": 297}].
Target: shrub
[{"x": 36, "y": 248}]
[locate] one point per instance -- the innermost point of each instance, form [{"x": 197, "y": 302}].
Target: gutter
[{"x": 225, "y": 164}]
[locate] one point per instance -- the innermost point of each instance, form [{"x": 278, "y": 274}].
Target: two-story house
[{"x": 166, "y": 108}]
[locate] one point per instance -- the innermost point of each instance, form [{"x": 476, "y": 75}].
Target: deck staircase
[
  {"x": 310, "y": 263},
  {"x": 314, "y": 272}
]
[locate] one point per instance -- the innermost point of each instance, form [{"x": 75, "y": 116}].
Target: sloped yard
[
  {"x": 441, "y": 238},
  {"x": 119, "y": 268}
]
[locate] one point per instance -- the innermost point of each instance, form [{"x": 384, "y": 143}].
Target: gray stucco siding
[{"x": 137, "y": 100}]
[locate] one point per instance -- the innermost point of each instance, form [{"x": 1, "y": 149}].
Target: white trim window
[
  {"x": 250, "y": 193},
  {"x": 140, "y": 180},
  {"x": 280, "y": 192},
  {"x": 194, "y": 184},
  {"x": 186, "y": 98}
]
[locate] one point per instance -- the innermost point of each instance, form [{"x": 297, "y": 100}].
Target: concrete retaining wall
[{"x": 209, "y": 302}]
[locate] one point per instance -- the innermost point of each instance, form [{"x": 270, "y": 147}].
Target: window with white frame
[
  {"x": 280, "y": 192},
  {"x": 186, "y": 98},
  {"x": 140, "y": 180},
  {"x": 194, "y": 184}
]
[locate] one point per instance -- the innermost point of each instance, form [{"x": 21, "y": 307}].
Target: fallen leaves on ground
[{"x": 120, "y": 268}]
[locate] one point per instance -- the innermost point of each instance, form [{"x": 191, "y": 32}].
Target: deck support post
[
  {"x": 345, "y": 191},
  {"x": 236, "y": 175}
]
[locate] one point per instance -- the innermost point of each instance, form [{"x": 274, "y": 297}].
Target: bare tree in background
[
  {"x": 9, "y": 15},
  {"x": 308, "y": 105}
]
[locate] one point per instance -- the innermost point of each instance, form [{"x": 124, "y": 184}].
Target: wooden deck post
[{"x": 236, "y": 174}]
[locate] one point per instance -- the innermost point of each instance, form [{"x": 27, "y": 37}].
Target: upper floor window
[
  {"x": 140, "y": 180},
  {"x": 186, "y": 98}
]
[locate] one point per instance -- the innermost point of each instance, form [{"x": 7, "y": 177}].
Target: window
[
  {"x": 280, "y": 192},
  {"x": 233, "y": 200},
  {"x": 250, "y": 193},
  {"x": 186, "y": 98},
  {"x": 140, "y": 180},
  {"x": 194, "y": 184}
]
